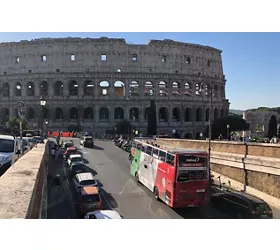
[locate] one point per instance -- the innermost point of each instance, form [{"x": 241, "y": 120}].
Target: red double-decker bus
[{"x": 179, "y": 177}]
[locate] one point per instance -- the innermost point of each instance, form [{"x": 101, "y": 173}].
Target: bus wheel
[
  {"x": 137, "y": 177},
  {"x": 156, "y": 193}
]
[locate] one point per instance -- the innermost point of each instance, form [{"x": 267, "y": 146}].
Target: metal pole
[
  {"x": 210, "y": 132},
  {"x": 21, "y": 141}
]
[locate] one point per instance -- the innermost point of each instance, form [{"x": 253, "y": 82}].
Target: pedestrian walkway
[{"x": 60, "y": 199}]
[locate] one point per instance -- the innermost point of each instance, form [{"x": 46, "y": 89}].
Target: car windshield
[
  {"x": 7, "y": 146},
  {"x": 75, "y": 159},
  {"x": 71, "y": 151},
  {"x": 88, "y": 182},
  {"x": 260, "y": 207},
  {"x": 191, "y": 175},
  {"x": 91, "y": 198},
  {"x": 88, "y": 139},
  {"x": 78, "y": 167}
]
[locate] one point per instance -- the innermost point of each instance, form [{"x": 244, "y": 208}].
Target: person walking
[{"x": 53, "y": 152}]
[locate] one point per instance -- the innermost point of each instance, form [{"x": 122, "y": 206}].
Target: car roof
[
  {"x": 106, "y": 214},
  {"x": 75, "y": 155},
  {"x": 85, "y": 176},
  {"x": 89, "y": 190},
  {"x": 71, "y": 148},
  {"x": 7, "y": 137},
  {"x": 242, "y": 195},
  {"x": 87, "y": 136}
]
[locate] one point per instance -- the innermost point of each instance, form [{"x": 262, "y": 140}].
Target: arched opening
[
  {"x": 88, "y": 113},
  {"x": 73, "y": 88},
  {"x": 176, "y": 115},
  {"x": 197, "y": 136},
  {"x": 198, "y": 116},
  {"x": 163, "y": 114},
  {"x": 30, "y": 89},
  {"x": 216, "y": 114},
  {"x": 187, "y": 89},
  {"x": 175, "y": 89},
  {"x": 104, "y": 88},
  {"x": 73, "y": 113},
  {"x": 119, "y": 114},
  {"x": 198, "y": 89},
  {"x": 103, "y": 114},
  {"x": 222, "y": 113},
  {"x": 5, "y": 115},
  {"x": 134, "y": 88},
  {"x": 44, "y": 87},
  {"x": 58, "y": 114},
  {"x": 88, "y": 88},
  {"x": 45, "y": 113},
  {"x": 146, "y": 114},
  {"x": 188, "y": 136},
  {"x": 119, "y": 88},
  {"x": 162, "y": 86},
  {"x": 5, "y": 90},
  {"x": 134, "y": 114},
  {"x": 18, "y": 89},
  {"x": 149, "y": 89},
  {"x": 188, "y": 115},
  {"x": 207, "y": 115},
  {"x": 58, "y": 88},
  {"x": 30, "y": 114}
]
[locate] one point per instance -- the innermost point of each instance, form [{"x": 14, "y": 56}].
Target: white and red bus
[{"x": 177, "y": 176}]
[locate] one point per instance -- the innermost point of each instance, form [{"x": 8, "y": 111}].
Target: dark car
[
  {"x": 241, "y": 205},
  {"x": 76, "y": 168},
  {"x": 88, "y": 142}
]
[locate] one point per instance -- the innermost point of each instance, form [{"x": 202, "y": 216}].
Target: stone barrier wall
[{"x": 255, "y": 165}]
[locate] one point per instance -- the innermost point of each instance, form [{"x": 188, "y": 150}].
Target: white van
[{"x": 9, "y": 150}]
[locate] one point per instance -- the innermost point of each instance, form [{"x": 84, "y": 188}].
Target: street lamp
[
  {"x": 173, "y": 133},
  {"x": 228, "y": 126},
  {"x": 46, "y": 122},
  {"x": 43, "y": 103}
]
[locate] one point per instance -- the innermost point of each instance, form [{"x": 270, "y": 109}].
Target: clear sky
[{"x": 251, "y": 61}]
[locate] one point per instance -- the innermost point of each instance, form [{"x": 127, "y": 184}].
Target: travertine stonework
[{"x": 80, "y": 86}]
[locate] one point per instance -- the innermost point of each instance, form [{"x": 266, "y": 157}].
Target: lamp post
[
  {"x": 43, "y": 104},
  {"x": 228, "y": 126},
  {"x": 47, "y": 130},
  {"x": 21, "y": 110},
  {"x": 173, "y": 133}
]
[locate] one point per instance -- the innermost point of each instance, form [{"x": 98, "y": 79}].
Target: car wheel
[{"x": 156, "y": 193}]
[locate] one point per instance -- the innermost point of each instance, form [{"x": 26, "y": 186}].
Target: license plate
[
  {"x": 91, "y": 205},
  {"x": 200, "y": 190}
]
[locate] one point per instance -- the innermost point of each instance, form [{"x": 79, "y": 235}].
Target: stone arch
[
  {"x": 134, "y": 114},
  {"x": 149, "y": 88},
  {"x": 58, "y": 88},
  {"x": 222, "y": 113},
  {"x": 207, "y": 112},
  {"x": 163, "y": 114},
  {"x": 88, "y": 113},
  {"x": 44, "y": 88},
  {"x": 162, "y": 88},
  {"x": 119, "y": 113},
  {"x": 146, "y": 113},
  {"x": 30, "y": 89},
  {"x": 198, "y": 115},
  {"x": 18, "y": 89},
  {"x": 198, "y": 89},
  {"x": 216, "y": 114},
  {"x": 88, "y": 88},
  {"x": 188, "y": 136},
  {"x": 197, "y": 136},
  {"x": 134, "y": 88},
  {"x": 31, "y": 114},
  {"x": 119, "y": 88},
  {"x": 45, "y": 112},
  {"x": 104, "y": 114},
  {"x": 5, "y": 115},
  {"x": 5, "y": 89},
  {"x": 73, "y": 88},
  {"x": 176, "y": 114},
  {"x": 175, "y": 89},
  {"x": 188, "y": 115},
  {"x": 104, "y": 87},
  {"x": 187, "y": 89},
  {"x": 73, "y": 113},
  {"x": 58, "y": 114}
]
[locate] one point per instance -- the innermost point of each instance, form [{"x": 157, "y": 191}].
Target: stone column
[
  {"x": 96, "y": 88},
  {"x": 37, "y": 86},
  {"x": 66, "y": 88},
  {"x": 81, "y": 87}
]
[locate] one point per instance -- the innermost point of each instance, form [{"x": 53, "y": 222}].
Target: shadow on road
[
  {"x": 85, "y": 160},
  {"x": 108, "y": 198},
  {"x": 98, "y": 148},
  {"x": 90, "y": 170}
]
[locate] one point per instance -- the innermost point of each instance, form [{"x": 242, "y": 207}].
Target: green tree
[
  {"x": 152, "y": 119},
  {"x": 14, "y": 123},
  {"x": 123, "y": 127},
  {"x": 272, "y": 127}
]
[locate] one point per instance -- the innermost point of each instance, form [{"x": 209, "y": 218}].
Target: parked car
[
  {"x": 83, "y": 180},
  {"x": 103, "y": 214},
  {"x": 87, "y": 141},
  {"x": 74, "y": 158},
  {"x": 88, "y": 200},
  {"x": 76, "y": 168},
  {"x": 70, "y": 151},
  {"x": 241, "y": 205}
]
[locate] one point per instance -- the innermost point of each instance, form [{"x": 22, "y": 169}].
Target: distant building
[{"x": 258, "y": 121}]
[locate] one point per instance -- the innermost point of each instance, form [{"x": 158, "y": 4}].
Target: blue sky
[{"x": 251, "y": 61}]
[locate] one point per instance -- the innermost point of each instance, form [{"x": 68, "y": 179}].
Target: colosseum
[{"x": 98, "y": 82}]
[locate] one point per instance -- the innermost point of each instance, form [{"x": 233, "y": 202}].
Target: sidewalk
[{"x": 60, "y": 200}]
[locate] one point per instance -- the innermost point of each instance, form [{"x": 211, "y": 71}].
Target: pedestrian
[
  {"x": 56, "y": 153},
  {"x": 53, "y": 152},
  {"x": 56, "y": 183}
]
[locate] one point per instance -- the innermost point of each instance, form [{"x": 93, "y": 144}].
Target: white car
[
  {"x": 84, "y": 180},
  {"x": 103, "y": 214},
  {"x": 74, "y": 158}
]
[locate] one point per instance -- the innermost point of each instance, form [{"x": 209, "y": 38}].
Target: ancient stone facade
[{"x": 98, "y": 82}]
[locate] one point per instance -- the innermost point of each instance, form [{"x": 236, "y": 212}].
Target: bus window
[
  {"x": 170, "y": 159},
  {"x": 139, "y": 146},
  {"x": 155, "y": 152},
  {"x": 149, "y": 150},
  {"x": 143, "y": 148},
  {"x": 162, "y": 155},
  {"x": 133, "y": 144}
]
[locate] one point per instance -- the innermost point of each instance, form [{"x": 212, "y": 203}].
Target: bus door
[{"x": 147, "y": 171}]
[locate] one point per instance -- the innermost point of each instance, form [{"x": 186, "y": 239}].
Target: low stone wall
[
  {"x": 255, "y": 165},
  {"x": 21, "y": 186}
]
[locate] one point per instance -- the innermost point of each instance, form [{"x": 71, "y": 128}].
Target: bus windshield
[{"x": 7, "y": 146}]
